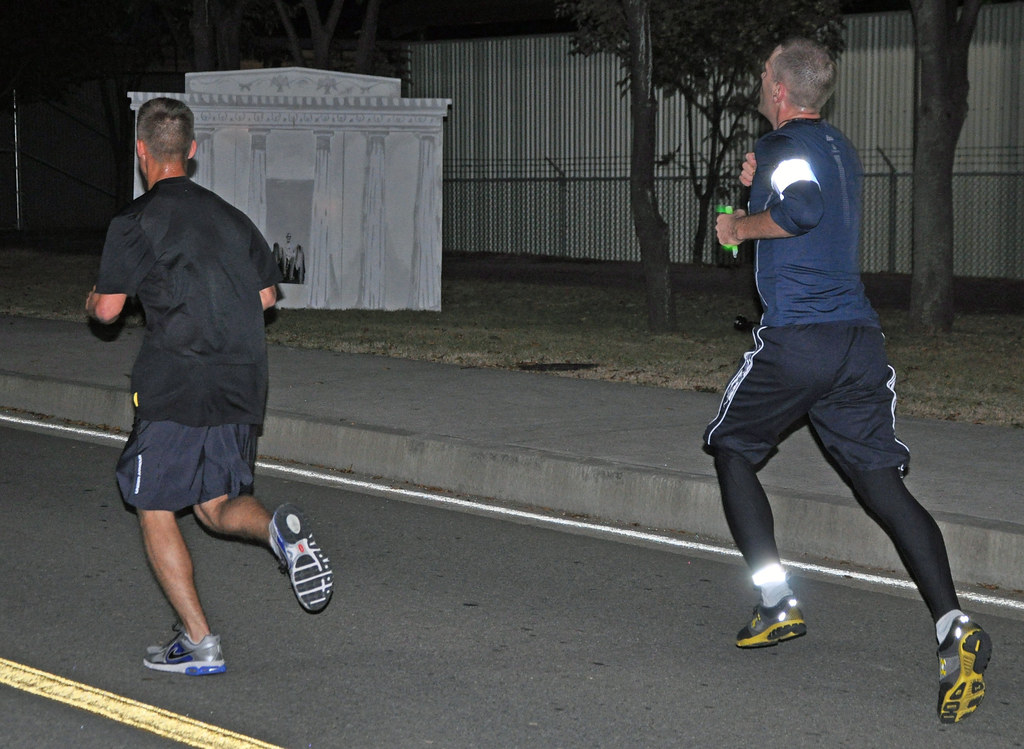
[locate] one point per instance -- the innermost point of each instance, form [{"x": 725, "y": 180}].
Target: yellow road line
[{"x": 124, "y": 710}]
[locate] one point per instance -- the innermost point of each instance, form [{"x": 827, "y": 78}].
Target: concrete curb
[
  {"x": 68, "y": 400},
  {"x": 980, "y": 552},
  {"x": 817, "y": 525}
]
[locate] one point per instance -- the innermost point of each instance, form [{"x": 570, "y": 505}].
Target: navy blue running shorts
[
  {"x": 171, "y": 466},
  {"x": 836, "y": 374}
]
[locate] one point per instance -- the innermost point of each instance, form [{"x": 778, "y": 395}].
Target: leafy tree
[
  {"x": 710, "y": 52},
  {"x": 943, "y": 31}
]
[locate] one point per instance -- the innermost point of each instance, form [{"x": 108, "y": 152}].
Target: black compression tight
[
  {"x": 881, "y": 492},
  {"x": 747, "y": 510},
  {"x": 913, "y": 531}
]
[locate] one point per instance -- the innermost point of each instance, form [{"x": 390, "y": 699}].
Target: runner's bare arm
[
  {"x": 268, "y": 297},
  {"x": 736, "y": 227},
  {"x": 104, "y": 307}
]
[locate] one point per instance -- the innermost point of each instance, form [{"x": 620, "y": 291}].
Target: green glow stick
[{"x": 734, "y": 249}]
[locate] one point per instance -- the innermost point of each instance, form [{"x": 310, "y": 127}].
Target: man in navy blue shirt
[{"x": 819, "y": 353}]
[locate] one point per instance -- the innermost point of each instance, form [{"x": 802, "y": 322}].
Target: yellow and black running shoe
[
  {"x": 963, "y": 657},
  {"x": 770, "y": 626}
]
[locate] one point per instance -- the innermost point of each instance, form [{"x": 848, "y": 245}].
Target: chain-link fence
[
  {"x": 588, "y": 217},
  {"x": 573, "y": 208},
  {"x": 67, "y": 165},
  {"x": 583, "y": 218},
  {"x": 56, "y": 167}
]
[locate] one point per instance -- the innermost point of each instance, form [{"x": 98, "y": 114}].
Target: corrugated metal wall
[
  {"x": 528, "y": 98},
  {"x": 996, "y": 99},
  {"x": 874, "y": 101},
  {"x": 522, "y": 103},
  {"x": 525, "y": 108}
]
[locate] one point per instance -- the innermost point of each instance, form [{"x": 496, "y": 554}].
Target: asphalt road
[{"x": 451, "y": 629}]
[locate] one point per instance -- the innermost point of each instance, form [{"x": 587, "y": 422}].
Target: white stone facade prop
[{"x": 340, "y": 173}]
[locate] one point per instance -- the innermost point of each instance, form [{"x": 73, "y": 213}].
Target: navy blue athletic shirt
[
  {"x": 809, "y": 176},
  {"x": 197, "y": 265}
]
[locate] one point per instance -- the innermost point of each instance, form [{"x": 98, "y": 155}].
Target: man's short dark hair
[
  {"x": 807, "y": 69},
  {"x": 167, "y": 127}
]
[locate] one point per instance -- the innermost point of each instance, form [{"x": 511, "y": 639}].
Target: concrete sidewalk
[{"x": 609, "y": 451}]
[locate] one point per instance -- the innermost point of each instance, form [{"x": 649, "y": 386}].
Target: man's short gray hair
[{"x": 808, "y": 71}]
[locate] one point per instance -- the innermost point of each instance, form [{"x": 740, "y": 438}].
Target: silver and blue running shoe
[
  {"x": 308, "y": 569},
  {"x": 182, "y": 656}
]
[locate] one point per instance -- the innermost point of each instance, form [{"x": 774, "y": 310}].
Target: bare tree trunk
[
  {"x": 229, "y": 31},
  {"x": 367, "y": 37},
  {"x": 651, "y": 229},
  {"x": 322, "y": 32},
  {"x": 700, "y": 234},
  {"x": 941, "y": 50},
  {"x": 705, "y": 180},
  {"x": 706, "y": 158},
  {"x": 180, "y": 41},
  {"x": 216, "y": 30},
  {"x": 201, "y": 26},
  {"x": 294, "y": 45}
]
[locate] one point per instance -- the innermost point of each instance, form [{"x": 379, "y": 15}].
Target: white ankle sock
[
  {"x": 773, "y": 583},
  {"x": 945, "y": 623}
]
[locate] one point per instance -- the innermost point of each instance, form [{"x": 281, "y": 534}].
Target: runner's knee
[{"x": 209, "y": 512}]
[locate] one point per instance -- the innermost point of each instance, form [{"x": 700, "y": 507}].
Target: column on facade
[
  {"x": 425, "y": 291},
  {"x": 204, "y": 157},
  {"x": 258, "y": 178},
  {"x": 321, "y": 278},
  {"x": 371, "y": 282}
]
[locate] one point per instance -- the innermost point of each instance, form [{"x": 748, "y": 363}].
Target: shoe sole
[
  {"x": 311, "y": 576},
  {"x": 189, "y": 669},
  {"x": 774, "y": 635},
  {"x": 962, "y": 697}
]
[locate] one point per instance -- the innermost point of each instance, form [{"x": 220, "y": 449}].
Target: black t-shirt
[{"x": 197, "y": 265}]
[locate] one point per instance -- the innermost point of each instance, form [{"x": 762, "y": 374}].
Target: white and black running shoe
[
  {"x": 182, "y": 656},
  {"x": 308, "y": 569}
]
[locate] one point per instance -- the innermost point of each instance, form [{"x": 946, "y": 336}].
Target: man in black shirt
[{"x": 204, "y": 276}]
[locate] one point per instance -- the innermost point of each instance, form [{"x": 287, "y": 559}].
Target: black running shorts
[
  {"x": 836, "y": 374},
  {"x": 170, "y": 466}
]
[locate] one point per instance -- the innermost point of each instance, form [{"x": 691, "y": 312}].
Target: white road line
[
  {"x": 541, "y": 519},
  {"x": 81, "y": 431}
]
